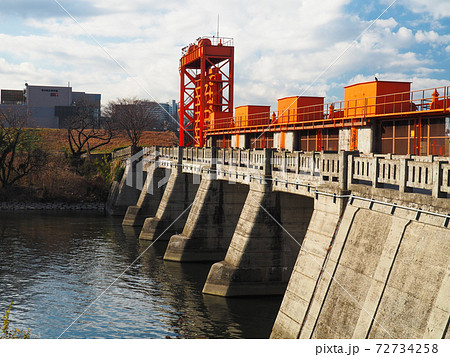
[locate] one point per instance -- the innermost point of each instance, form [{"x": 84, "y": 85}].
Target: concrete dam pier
[{"x": 358, "y": 244}]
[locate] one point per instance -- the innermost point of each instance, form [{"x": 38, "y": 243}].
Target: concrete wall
[
  {"x": 365, "y": 140},
  {"x": 291, "y": 140},
  {"x": 307, "y": 269},
  {"x": 277, "y": 140},
  {"x": 366, "y": 269},
  {"x": 233, "y": 141},
  {"x": 344, "y": 139},
  {"x": 48, "y": 96},
  {"x": 239, "y": 141},
  {"x": 385, "y": 276}
]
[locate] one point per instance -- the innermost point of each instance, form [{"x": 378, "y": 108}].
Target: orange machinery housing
[
  {"x": 300, "y": 108},
  {"x": 206, "y": 88},
  {"x": 249, "y": 115},
  {"x": 377, "y": 97}
]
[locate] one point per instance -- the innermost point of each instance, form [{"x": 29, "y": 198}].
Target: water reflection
[{"x": 53, "y": 266}]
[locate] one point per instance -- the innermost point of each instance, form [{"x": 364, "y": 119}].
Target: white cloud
[
  {"x": 426, "y": 36},
  {"x": 404, "y": 35},
  {"x": 280, "y": 47},
  {"x": 439, "y": 9},
  {"x": 431, "y": 37}
]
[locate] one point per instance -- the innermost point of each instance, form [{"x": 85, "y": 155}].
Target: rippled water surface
[{"x": 54, "y": 265}]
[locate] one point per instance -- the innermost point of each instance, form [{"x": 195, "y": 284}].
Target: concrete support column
[
  {"x": 211, "y": 222},
  {"x": 149, "y": 199},
  {"x": 365, "y": 140},
  {"x": 277, "y": 140},
  {"x": 291, "y": 142},
  {"x": 261, "y": 255},
  {"x": 174, "y": 207},
  {"x": 344, "y": 139}
]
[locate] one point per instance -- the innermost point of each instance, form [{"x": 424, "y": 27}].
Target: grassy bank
[
  {"x": 63, "y": 179},
  {"x": 55, "y": 140}
]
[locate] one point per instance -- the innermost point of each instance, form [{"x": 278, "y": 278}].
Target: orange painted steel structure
[
  {"x": 206, "y": 107},
  {"x": 206, "y": 92},
  {"x": 349, "y": 113}
]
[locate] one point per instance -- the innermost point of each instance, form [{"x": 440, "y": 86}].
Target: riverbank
[{"x": 52, "y": 206}]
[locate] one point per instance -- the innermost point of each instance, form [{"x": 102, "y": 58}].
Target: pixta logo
[{"x": 143, "y": 162}]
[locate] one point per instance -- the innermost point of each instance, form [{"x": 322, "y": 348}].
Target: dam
[{"x": 357, "y": 244}]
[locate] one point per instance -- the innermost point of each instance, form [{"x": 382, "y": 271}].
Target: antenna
[{"x": 217, "y": 25}]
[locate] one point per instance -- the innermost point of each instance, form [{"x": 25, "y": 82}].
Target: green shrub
[{"x": 120, "y": 170}]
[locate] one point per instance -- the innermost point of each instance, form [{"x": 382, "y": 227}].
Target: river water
[{"x": 55, "y": 267}]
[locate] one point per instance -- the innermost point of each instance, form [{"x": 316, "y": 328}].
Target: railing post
[
  {"x": 350, "y": 164},
  {"x": 180, "y": 157},
  {"x": 403, "y": 177},
  {"x": 156, "y": 153},
  {"x": 312, "y": 164},
  {"x": 284, "y": 162},
  {"x": 320, "y": 166},
  {"x": 343, "y": 170},
  {"x": 297, "y": 162},
  {"x": 267, "y": 168},
  {"x": 213, "y": 164},
  {"x": 374, "y": 172},
  {"x": 437, "y": 178}
]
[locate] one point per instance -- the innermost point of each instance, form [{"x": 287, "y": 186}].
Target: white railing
[{"x": 346, "y": 171}]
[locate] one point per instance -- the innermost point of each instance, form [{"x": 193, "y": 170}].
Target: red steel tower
[{"x": 206, "y": 71}]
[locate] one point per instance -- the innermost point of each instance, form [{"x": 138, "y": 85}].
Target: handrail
[
  {"x": 389, "y": 104},
  {"x": 344, "y": 170},
  {"x": 213, "y": 40}
]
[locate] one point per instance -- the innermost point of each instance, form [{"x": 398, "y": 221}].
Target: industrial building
[
  {"x": 374, "y": 117},
  {"x": 53, "y": 106},
  {"x": 49, "y": 106}
]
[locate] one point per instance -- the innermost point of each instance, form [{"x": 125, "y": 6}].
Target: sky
[{"x": 283, "y": 48}]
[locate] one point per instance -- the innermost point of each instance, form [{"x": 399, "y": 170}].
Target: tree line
[{"x": 21, "y": 150}]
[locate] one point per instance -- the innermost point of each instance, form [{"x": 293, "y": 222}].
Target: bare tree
[
  {"x": 131, "y": 115},
  {"x": 20, "y": 149},
  {"x": 84, "y": 131}
]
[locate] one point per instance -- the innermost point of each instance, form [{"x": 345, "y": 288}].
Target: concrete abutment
[
  {"x": 383, "y": 265},
  {"x": 150, "y": 196},
  {"x": 127, "y": 192}
]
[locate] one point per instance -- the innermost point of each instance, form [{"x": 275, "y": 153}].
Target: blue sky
[{"x": 282, "y": 48}]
